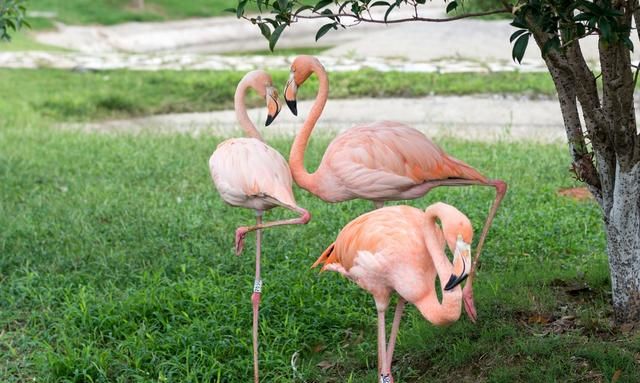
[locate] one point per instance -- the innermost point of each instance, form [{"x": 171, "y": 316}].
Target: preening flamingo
[
  {"x": 380, "y": 161},
  {"x": 249, "y": 173},
  {"x": 401, "y": 249}
]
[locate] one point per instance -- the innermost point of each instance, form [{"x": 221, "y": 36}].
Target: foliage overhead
[
  {"x": 562, "y": 20},
  {"x": 12, "y": 17}
]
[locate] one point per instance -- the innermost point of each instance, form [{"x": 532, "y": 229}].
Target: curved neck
[
  {"x": 241, "y": 110},
  {"x": 450, "y": 308},
  {"x": 296, "y": 156}
]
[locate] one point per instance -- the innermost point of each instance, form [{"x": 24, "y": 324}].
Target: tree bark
[
  {"x": 612, "y": 169},
  {"x": 623, "y": 244}
]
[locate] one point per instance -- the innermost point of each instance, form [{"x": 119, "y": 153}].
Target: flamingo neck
[
  {"x": 241, "y": 110},
  {"x": 296, "y": 157},
  {"x": 449, "y": 310}
]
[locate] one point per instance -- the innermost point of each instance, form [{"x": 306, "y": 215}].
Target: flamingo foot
[{"x": 240, "y": 234}]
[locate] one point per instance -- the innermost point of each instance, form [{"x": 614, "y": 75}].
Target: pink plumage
[
  {"x": 401, "y": 249},
  {"x": 249, "y": 173},
  {"x": 380, "y": 161}
]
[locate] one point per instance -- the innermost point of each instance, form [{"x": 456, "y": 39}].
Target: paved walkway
[
  {"x": 485, "y": 118},
  {"x": 194, "y": 61}
]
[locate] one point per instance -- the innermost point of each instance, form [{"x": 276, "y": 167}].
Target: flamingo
[
  {"x": 379, "y": 161},
  {"x": 401, "y": 249},
  {"x": 249, "y": 173}
]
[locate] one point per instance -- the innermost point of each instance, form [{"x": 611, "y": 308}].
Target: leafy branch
[
  {"x": 12, "y": 17},
  {"x": 285, "y": 12}
]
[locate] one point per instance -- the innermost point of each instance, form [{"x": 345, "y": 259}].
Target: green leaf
[
  {"x": 303, "y": 8},
  {"x": 516, "y": 34},
  {"x": 583, "y": 16},
  {"x": 605, "y": 29},
  {"x": 520, "y": 47},
  {"x": 451, "y": 6},
  {"x": 386, "y": 15},
  {"x": 518, "y": 24},
  {"x": 321, "y": 4},
  {"x": 240, "y": 10},
  {"x": 283, "y": 4},
  {"x": 264, "y": 29},
  {"x": 551, "y": 44},
  {"x": 628, "y": 43},
  {"x": 379, "y": 3},
  {"x": 324, "y": 29},
  {"x": 273, "y": 39}
]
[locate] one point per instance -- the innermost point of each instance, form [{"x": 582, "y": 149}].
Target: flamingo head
[
  {"x": 273, "y": 105},
  {"x": 301, "y": 68},
  {"x": 461, "y": 263}
]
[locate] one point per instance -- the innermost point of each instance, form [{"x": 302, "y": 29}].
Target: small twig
[{"x": 428, "y": 19}]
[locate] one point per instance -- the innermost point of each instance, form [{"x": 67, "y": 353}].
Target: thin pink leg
[
  {"x": 255, "y": 299},
  {"x": 501, "y": 190},
  {"x": 385, "y": 373},
  {"x": 241, "y": 232},
  {"x": 394, "y": 330}
]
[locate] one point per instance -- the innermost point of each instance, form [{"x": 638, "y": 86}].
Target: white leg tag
[{"x": 257, "y": 286}]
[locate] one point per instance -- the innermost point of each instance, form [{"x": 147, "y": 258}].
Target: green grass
[
  {"x": 116, "y": 259},
  {"x": 99, "y": 95},
  {"x": 108, "y": 12},
  {"x": 117, "y": 265}
]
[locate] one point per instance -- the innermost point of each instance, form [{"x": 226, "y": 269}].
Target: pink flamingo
[
  {"x": 380, "y": 161},
  {"x": 249, "y": 173},
  {"x": 401, "y": 249}
]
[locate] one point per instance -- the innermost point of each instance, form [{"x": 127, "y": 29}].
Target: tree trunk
[
  {"x": 610, "y": 165},
  {"x": 622, "y": 225}
]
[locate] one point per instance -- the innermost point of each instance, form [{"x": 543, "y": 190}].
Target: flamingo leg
[
  {"x": 501, "y": 190},
  {"x": 378, "y": 205},
  {"x": 255, "y": 299},
  {"x": 383, "y": 367},
  {"x": 394, "y": 330},
  {"x": 242, "y": 231}
]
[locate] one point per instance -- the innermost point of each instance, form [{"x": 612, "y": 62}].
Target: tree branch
[{"x": 415, "y": 18}]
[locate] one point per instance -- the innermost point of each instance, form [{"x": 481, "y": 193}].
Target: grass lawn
[
  {"x": 109, "y": 12},
  {"x": 116, "y": 259},
  {"x": 117, "y": 94}
]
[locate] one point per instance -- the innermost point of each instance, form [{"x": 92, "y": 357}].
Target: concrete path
[
  {"x": 467, "y": 39},
  {"x": 480, "y": 118},
  {"x": 191, "y": 61}
]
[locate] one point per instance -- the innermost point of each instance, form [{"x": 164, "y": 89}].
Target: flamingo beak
[
  {"x": 469, "y": 306},
  {"x": 290, "y": 93},
  {"x": 461, "y": 264},
  {"x": 273, "y": 106}
]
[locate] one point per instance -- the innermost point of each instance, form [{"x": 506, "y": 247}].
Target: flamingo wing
[
  {"x": 249, "y": 173},
  {"x": 377, "y": 160}
]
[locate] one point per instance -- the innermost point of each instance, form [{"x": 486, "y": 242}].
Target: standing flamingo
[
  {"x": 401, "y": 249},
  {"x": 380, "y": 161},
  {"x": 249, "y": 173}
]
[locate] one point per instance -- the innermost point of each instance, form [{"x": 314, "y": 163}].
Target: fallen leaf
[
  {"x": 578, "y": 194},
  {"x": 616, "y": 376},
  {"x": 539, "y": 319},
  {"x": 325, "y": 365}
]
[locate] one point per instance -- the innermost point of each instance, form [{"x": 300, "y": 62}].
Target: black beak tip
[
  {"x": 270, "y": 119},
  {"x": 293, "y": 106},
  {"x": 454, "y": 281}
]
